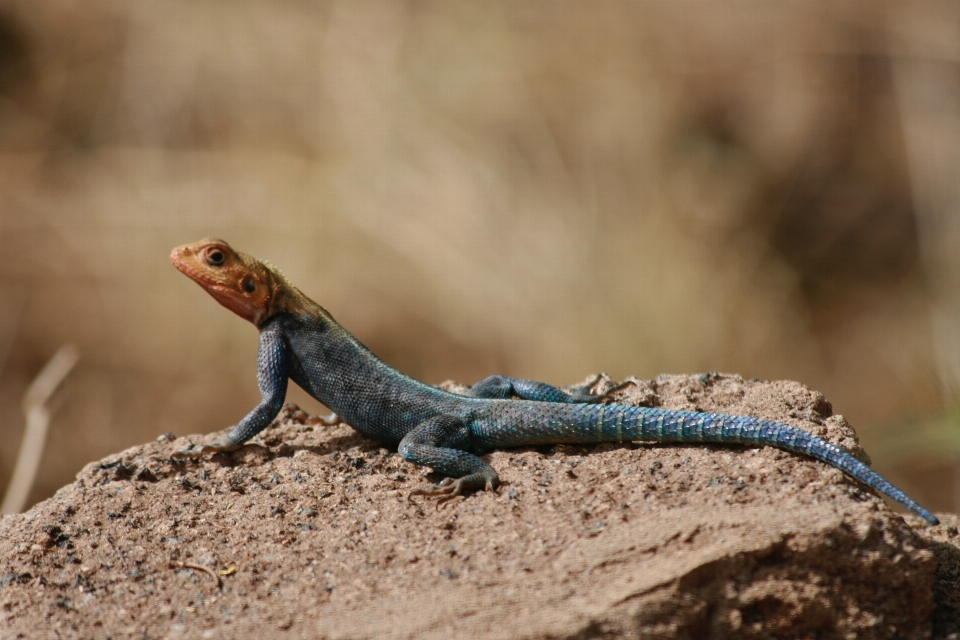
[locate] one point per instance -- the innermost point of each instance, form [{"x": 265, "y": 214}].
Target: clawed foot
[
  {"x": 619, "y": 387},
  {"x": 450, "y": 488},
  {"x": 584, "y": 395},
  {"x": 194, "y": 452}
]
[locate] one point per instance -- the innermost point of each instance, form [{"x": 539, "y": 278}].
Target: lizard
[{"x": 431, "y": 427}]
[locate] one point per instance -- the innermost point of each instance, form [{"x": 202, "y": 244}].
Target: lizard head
[{"x": 239, "y": 282}]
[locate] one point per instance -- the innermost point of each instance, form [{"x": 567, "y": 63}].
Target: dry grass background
[{"x": 544, "y": 189}]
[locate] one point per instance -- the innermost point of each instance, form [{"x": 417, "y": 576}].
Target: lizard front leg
[
  {"x": 441, "y": 443},
  {"x": 272, "y": 371}
]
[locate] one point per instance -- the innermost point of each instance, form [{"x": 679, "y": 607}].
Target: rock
[{"x": 313, "y": 536}]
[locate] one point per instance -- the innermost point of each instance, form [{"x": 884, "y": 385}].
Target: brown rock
[{"x": 313, "y": 536}]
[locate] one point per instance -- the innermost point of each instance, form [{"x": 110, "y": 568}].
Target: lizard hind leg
[
  {"x": 441, "y": 443},
  {"x": 504, "y": 388}
]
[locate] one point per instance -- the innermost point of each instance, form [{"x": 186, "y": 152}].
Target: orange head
[{"x": 239, "y": 282}]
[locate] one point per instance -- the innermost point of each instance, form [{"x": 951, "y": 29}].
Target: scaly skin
[{"x": 300, "y": 341}]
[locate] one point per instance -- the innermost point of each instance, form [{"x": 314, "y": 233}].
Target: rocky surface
[{"x": 308, "y": 532}]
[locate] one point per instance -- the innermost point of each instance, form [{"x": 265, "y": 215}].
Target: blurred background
[{"x": 542, "y": 189}]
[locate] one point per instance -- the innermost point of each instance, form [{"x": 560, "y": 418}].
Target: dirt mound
[{"x": 308, "y": 533}]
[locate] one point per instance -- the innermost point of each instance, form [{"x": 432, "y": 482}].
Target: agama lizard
[{"x": 300, "y": 340}]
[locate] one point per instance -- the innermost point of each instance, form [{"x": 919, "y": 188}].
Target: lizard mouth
[{"x": 177, "y": 259}]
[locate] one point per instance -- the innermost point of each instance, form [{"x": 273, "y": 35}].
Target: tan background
[{"x": 543, "y": 189}]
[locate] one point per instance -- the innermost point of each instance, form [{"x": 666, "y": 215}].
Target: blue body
[{"x": 445, "y": 431}]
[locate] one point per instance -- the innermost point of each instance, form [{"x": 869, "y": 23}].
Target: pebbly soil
[{"x": 308, "y": 533}]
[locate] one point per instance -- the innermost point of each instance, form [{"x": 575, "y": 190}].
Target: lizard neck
[{"x": 287, "y": 299}]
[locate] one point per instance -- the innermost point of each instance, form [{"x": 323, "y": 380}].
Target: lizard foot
[
  {"x": 623, "y": 385},
  {"x": 450, "y": 488},
  {"x": 194, "y": 452},
  {"x": 583, "y": 393}
]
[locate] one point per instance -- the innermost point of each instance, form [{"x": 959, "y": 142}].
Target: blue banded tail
[{"x": 521, "y": 423}]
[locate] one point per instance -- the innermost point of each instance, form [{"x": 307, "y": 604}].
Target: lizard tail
[
  {"x": 686, "y": 426},
  {"x": 617, "y": 423}
]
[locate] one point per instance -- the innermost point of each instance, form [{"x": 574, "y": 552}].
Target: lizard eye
[
  {"x": 249, "y": 285},
  {"x": 215, "y": 257}
]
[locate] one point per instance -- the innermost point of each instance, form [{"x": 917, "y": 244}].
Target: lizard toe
[
  {"x": 441, "y": 489},
  {"x": 448, "y": 489},
  {"x": 190, "y": 453},
  {"x": 456, "y": 490},
  {"x": 194, "y": 452}
]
